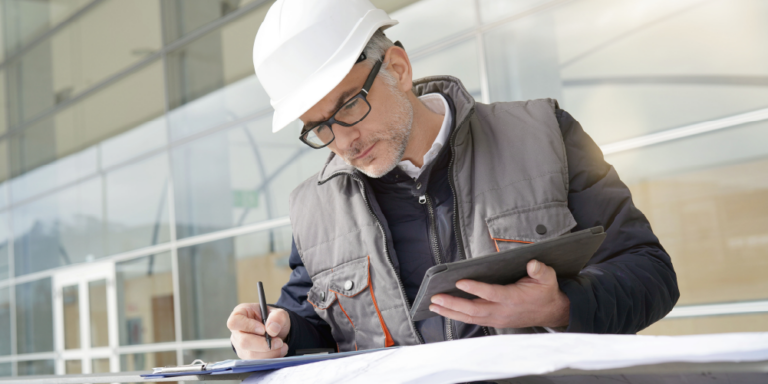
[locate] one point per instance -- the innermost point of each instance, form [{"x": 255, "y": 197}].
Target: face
[{"x": 375, "y": 145}]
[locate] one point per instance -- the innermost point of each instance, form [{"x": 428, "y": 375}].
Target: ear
[{"x": 399, "y": 65}]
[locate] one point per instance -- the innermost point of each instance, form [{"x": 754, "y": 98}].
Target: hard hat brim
[{"x": 327, "y": 77}]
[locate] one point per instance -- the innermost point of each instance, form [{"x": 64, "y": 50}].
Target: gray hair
[{"x": 377, "y": 46}]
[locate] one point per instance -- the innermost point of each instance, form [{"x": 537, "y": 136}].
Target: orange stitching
[
  {"x": 345, "y": 314},
  {"x": 388, "y": 342}
]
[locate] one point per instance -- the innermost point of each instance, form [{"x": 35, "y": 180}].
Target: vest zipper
[
  {"x": 389, "y": 258},
  {"x": 456, "y": 230},
  {"x": 425, "y": 199}
]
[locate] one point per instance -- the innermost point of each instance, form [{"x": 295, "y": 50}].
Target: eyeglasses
[{"x": 352, "y": 112}]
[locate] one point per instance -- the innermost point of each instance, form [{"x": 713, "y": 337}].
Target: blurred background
[{"x": 142, "y": 193}]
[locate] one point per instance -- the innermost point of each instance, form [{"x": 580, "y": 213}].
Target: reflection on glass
[
  {"x": 34, "y": 317},
  {"x": 59, "y": 229},
  {"x": 216, "y": 276},
  {"x": 30, "y": 19},
  {"x": 58, "y": 173},
  {"x": 90, "y": 50},
  {"x": 428, "y": 21},
  {"x": 5, "y": 321},
  {"x": 262, "y": 256},
  {"x": 97, "y": 304},
  {"x": 73, "y": 367},
  {"x": 459, "y": 61},
  {"x": 71, "y": 301},
  {"x": 145, "y": 138},
  {"x": 6, "y": 369},
  {"x": 147, "y": 361},
  {"x": 712, "y": 221},
  {"x": 5, "y": 251},
  {"x": 100, "y": 365},
  {"x": 145, "y": 300},
  {"x": 123, "y": 105},
  {"x": 137, "y": 205},
  {"x": 198, "y": 71},
  {"x": 35, "y": 367},
  {"x": 239, "y": 176},
  {"x": 522, "y": 59},
  {"x": 180, "y": 17}
]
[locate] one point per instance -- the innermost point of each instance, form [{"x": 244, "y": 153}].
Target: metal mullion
[
  {"x": 485, "y": 93},
  {"x": 12, "y": 277},
  {"x": 47, "y": 34}
]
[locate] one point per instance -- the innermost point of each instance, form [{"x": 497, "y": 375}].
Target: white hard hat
[{"x": 304, "y": 48}]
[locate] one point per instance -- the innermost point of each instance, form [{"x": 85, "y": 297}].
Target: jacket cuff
[{"x": 581, "y": 313}]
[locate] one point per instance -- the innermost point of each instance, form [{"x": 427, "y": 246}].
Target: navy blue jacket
[{"x": 627, "y": 285}]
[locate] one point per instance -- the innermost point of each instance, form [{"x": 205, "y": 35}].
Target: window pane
[
  {"x": 51, "y": 175},
  {"x": 5, "y": 322},
  {"x": 428, "y": 21},
  {"x": 641, "y": 69},
  {"x": 211, "y": 81},
  {"x": 180, "y": 17},
  {"x": 492, "y": 10},
  {"x": 137, "y": 205},
  {"x": 34, "y": 319},
  {"x": 71, "y": 301},
  {"x": 147, "y": 361},
  {"x": 97, "y": 46},
  {"x": 145, "y": 300},
  {"x": 239, "y": 176},
  {"x": 459, "y": 61},
  {"x": 145, "y": 138},
  {"x": 27, "y": 20},
  {"x": 100, "y": 366},
  {"x": 97, "y": 303},
  {"x": 60, "y": 229},
  {"x": 709, "y": 324},
  {"x": 216, "y": 276},
  {"x": 3, "y": 106},
  {"x": 35, "y": 367},
  {"x": 123, "y": 105},
  {"x": 6, "y": 369},
  {"x": 5, "y": 251},
  {"x": 73, "y": 367}
]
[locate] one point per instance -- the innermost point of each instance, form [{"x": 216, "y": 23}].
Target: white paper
[{"x": 507, "y": 356}]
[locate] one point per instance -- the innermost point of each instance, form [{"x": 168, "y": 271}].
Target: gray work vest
[{"x": 509, "y": 176}]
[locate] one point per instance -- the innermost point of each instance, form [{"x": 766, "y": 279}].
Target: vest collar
[{"x": 448, "y": 85}]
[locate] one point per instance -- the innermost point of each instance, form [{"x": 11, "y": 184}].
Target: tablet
[{"x": 567, "y": 254}]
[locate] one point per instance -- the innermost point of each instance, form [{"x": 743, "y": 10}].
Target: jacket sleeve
[
  {"x": 308, "y": 330},
  {"x": 629, "y": 283}
]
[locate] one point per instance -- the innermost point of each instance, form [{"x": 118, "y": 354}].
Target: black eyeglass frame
[{"x": 360, "y": 95}]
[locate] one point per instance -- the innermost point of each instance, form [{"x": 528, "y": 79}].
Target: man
[{"x": 421, "y": 174}]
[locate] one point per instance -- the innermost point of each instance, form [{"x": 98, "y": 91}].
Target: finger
[
  {"x": 541, "y": 272},
  {"x": 250, "y": 355},
  {"x": 278, "y": 323},
  {"x": 254, "y": 343},
  {"x": 246, "y": 318},
  {"x": 490, "y": 292},
  {"x": 454, "y": 315},
  {"x": 474, "y": 308}
]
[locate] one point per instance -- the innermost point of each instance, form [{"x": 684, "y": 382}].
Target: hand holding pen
[{"x": 249, "y": 331}]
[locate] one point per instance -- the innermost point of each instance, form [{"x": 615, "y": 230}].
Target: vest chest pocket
[
  {"x": 344, "y": 298},
  {"x": 529, "y": 225}
]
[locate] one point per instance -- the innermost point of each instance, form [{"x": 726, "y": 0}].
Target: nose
[{"x": 345, "y": 136}]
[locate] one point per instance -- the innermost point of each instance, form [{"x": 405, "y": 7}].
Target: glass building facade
[{"x": 143, "y": 195}]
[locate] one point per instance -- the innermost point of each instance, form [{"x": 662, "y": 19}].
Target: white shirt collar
[{"x": 436, "y": 103}]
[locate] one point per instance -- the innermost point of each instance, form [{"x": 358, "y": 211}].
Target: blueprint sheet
[{"x": 508, "y": 356}]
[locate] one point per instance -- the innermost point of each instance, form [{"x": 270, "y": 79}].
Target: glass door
[{"x": 85, "y": 318}]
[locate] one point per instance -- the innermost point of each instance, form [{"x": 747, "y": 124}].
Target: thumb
[{"x": 538, "y": 270}]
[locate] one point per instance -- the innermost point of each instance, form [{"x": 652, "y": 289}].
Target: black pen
[{"x": 264, "y": 313}]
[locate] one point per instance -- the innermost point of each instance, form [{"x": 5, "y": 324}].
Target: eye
[{"x": 351, "y": 104}]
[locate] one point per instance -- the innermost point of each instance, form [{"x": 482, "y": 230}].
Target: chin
[{"x": 378, "y": 167}]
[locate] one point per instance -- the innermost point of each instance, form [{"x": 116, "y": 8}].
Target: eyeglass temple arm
[{"x": 372, "y": 76}]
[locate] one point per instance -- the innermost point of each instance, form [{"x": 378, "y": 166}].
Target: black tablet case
[{"x": 567, "y": 254}]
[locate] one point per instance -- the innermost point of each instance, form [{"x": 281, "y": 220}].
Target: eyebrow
[{"x": 342, "y": 99}]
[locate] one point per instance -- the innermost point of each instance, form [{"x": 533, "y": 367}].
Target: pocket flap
[
  {"x": 350, "y": 278},
  {"x": 320, "y": 294},
  {"x": 532, "y": 224}
]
